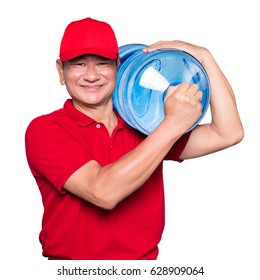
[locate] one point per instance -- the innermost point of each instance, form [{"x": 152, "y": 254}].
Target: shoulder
[
  {"x": 45, "y": 121},
  {"x": 48, "y": 127}
]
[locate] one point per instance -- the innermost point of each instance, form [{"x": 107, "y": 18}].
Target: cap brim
[{"x": 75, "y": 53}]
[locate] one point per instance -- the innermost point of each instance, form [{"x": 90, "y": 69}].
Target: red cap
[{"x": 88, "y": 36}]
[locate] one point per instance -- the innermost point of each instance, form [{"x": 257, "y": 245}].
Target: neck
[{"x": 103, "y": 114}]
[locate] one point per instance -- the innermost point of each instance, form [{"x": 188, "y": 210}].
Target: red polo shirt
[{"x": 57, "y": 145}]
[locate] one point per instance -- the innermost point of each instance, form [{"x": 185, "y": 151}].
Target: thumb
[{"x": 170, "y": 91}]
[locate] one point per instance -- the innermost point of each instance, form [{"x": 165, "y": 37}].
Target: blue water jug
[{"x": 143, "y": 80}]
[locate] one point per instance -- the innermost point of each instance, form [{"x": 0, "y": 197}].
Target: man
[{"x": 101, "y": 180}]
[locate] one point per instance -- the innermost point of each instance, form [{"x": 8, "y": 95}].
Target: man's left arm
[{"x": 225, "y": 128}]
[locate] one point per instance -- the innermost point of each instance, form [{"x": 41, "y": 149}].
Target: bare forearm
[
  {"x": 182, "y": 108},
  {"x": 121, "y": 178}
]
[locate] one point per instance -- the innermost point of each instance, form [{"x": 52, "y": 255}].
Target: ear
[
  {"x": 60, "y": 68},
  {"x": 118, "y": 61}
]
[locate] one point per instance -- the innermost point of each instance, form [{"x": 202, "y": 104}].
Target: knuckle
[
  {"x": 186, "y": 84},
  {"x": 194, "y": 86}
]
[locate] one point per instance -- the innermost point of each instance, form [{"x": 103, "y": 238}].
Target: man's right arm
[{"x": 107, "y": 186}]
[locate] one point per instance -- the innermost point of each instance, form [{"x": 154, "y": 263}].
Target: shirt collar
[{"x": 84, "y": 120}]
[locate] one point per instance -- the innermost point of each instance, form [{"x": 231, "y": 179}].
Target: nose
[{"x": 91, "y": 73}]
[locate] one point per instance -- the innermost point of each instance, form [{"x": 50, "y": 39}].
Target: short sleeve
[
  {"x": 52, "y": 152},
  {"x": 178, "y": 147}
]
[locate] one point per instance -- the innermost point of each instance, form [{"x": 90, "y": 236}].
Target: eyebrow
[{"x": 85, "y": 55}]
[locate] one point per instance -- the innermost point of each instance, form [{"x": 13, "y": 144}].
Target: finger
[
  {"x": 157, "y": 46},
  {"x": 192, "y": 89},
  {"x": 170, "y": 91},
  {"x": 174, "y": 44},
  {"x": 183, "y": 87},
  {"x": 199, "y": 95}
]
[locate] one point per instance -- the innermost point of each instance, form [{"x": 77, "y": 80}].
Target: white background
[{"x": 212, "y": 203}]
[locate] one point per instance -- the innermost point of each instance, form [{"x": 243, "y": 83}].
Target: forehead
[{"x": 86, "y": 56}]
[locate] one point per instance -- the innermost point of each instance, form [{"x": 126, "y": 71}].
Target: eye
[
  {"x": 105, "y": 63},
  {"x": 102, "y": 63},
  {"x": 79, "y": 64}
]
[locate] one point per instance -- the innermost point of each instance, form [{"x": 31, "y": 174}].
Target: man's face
[{"x": 90, "y": 79}]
